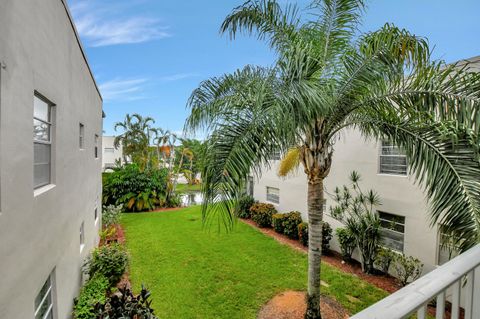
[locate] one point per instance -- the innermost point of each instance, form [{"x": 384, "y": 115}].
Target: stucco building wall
[{"x": 40, "y": 229}]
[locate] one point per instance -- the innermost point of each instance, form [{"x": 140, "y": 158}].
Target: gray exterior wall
[{"x": 39, "y": 230}]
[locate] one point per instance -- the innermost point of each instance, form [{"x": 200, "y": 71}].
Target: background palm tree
[{"x": 324, "y": 81}]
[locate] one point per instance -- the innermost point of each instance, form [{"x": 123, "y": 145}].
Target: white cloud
[
  {"x": 102, "y": 25},
  {"x": 177, "y": 77},
  {"x": 122, "y": 89}
]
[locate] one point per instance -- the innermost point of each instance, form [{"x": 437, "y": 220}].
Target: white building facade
[
  {"x": 384, "y": 169},
  {"x": 50, "y": 159},
  {"x": 111, "y": 154}
]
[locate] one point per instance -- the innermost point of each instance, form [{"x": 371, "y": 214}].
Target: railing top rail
[{"x": 405, "y": 301}]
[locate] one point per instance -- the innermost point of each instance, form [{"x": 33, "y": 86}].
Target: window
[
  {"x": 392, "y": 230},
  {"x": 82, "y": 236},
  {"x": 42, "y": 142},
  {"x": 392, "y": 159},
  {"x": 273, "y": 195},
  {"x": 109, "y": 150},
  {"x": 96, "y": 214},
  {"x": 250, "y": 185},
  {"x": 109, "y": 165},
  {"x": 448, "y": 248},
  {"x": 81, "y": 134},
  {"x": 96, "y": 146},
  {"x": 44, "y": 301}
]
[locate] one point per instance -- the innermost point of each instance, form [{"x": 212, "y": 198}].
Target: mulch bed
[
  {"x": 292, "y": 305},
  {"x": 162, "y": 210}
]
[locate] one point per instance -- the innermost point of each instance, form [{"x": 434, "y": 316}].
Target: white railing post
[{"x": 415, "y": 297}]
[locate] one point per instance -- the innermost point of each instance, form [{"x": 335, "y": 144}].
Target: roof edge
[{"x": 70, "y": 18}]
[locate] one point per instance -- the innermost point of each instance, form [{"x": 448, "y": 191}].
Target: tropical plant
[
  {"x": 357, "y": 210},
  {"x": 136, "y": 189},
  {"x": 347, "y": 243},
  {"x": 244, "y": 204},
  {"x": 408, "y": 269},
  {"x": 94, "y": 291},
  {"x": 328, "y": 78},
  {"x": 192, "y": 164},
  {"x": 126, "y": 305},
  {"x": 327, "y": 232},
  {"x": 135, "y": 139},
  {"x": 303, "y": 233},
  {"x": 290, "y": 224},
  {"x": 384, "y": 259},
  {"x": 110, "y": 261},
  {"x": 262, "y": 214},
  {"x": 277, "y": 222},
  {"x": 111, "y": 215}
]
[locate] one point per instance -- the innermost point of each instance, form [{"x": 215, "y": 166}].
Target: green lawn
[
  {"x": 196, "y": 273},
  {"x": 183, "y": 188}
]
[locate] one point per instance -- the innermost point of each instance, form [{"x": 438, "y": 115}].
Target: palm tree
[
  {"x": 326, "y": 80},
  {"x": 136, "y": 137}
]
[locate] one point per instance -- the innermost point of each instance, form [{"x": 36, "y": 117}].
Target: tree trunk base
[{"x": 313, "y": 307}]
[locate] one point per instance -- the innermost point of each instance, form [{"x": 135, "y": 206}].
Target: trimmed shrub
[
  {"x": 326, "y": 237},
  {"x": 244, "y": 204},
  {"x": 111, "y": 215},
  {"x": 408, "y": 269},
  {"x": 347, "y": 243},
  {"x": 277, "y": 222},
  {"x": 110, "y": 261},
  {"x": 384, "y": 259},
  {"x": 262, "y": 214},
  {"x": 290, "y": 224},
  {"x": 303, "y": 233},
  {"x": 94, "y": 291},
  {"x": 125, "y": 304}
]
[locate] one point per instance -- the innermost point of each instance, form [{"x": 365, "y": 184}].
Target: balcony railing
[{"x": 460, "y": 276}]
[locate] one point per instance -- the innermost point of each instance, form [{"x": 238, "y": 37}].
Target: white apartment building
[
  {"x": 111, "y": 154},
  {"x": 50, "y": 164},
  {"x": 383, "y": 168}
]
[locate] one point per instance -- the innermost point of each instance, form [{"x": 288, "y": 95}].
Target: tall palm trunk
[{"x": 315, "y": 222}]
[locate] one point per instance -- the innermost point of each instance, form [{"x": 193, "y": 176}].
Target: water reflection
[{"x": 192, "y": 198}]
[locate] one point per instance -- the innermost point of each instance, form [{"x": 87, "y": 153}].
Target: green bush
[
  {"x": 326, "y": 237},
  {"x": 110, "y": 261},
  {"x": 384, "y": 259},
  {"x": 347, "y": 243},
  {"x": 262, "y": 214},
  {"x": 303, "y": 233},
  {"x": 290, "y": 224},
  {"x": 135, "y": 189},
  {"x": 244, "y": 204},
  {"x": 126, "y": 305},
  {"x": 408, "y": 269},
  {"x": 174, "y": 200},
  {"x": 277, "y": 222},
  {"x": 111, "y": 215},
  {"x": 94, "y": 291}
]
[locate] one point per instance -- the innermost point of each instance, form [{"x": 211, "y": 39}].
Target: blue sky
[{"x": 148, "y": 55}]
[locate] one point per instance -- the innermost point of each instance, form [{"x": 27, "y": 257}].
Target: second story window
[
  {"x": 392, "y": 159},
  {"x": 81, "y": 138},
  {"x": 273, "y": 195},
  {"x": 42, "y": 142}
]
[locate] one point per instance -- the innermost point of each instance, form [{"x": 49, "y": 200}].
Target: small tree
[
  {"x": 356, "y": 210},
  {"x": 408, "y": 269}
]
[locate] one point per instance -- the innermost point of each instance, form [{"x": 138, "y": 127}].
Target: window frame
[
  {"x": 81, "y": 136},
  {"x": 49, "y": 294},
  {"x": 82, "y": 236},
  {"x": 50, "y": 124},
  {"x": 109, "y": 148},
  {"x": 96, "y": 139},
  {"x": 384, "y": 229},
  {"x": 401, "y": 154},
  {"x": 276, "y": 198}
]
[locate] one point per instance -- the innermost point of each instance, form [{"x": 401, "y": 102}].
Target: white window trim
[
  {"x": 82, "y": 236},
  {"x": 379, "y": 168},
  {"x": 50, "y": 291},
  {"x": 40, "y": 189},
  {"x": 267, "y": 195}
]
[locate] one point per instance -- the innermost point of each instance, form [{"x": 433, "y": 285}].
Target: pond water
[{"x": 192, "y": 198}]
